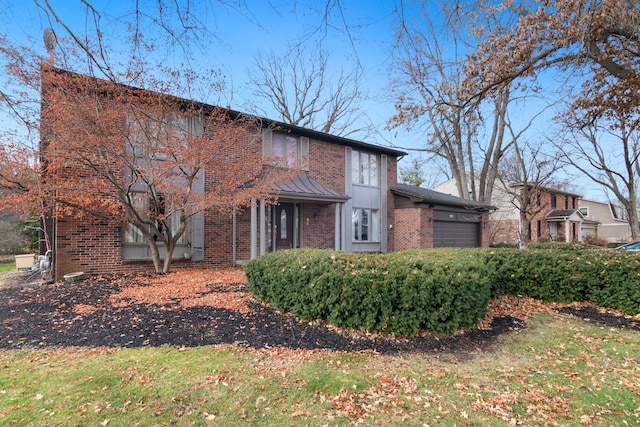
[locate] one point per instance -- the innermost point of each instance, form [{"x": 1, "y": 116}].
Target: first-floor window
[
  {"x": 365, "y": 225},
  {"x": 143, "y": 204}
]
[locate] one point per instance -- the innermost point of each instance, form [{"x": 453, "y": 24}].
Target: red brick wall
[
  {"x": 412, "y": 229},
  {"x": 327, "y": 164},
  {"x": 95, "y": 248},
  {"x": 503, "y": 231},
  {"x": 318, "y": 229}
]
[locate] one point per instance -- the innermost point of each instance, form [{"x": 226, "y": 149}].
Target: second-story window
[
  {"x": 284, "y": 148},
  {"x": 364, "y": 169},
  {"x": 553, "y": 201}
]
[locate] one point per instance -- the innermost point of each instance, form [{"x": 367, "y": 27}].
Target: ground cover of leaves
[{"x": 203, "y": 307}]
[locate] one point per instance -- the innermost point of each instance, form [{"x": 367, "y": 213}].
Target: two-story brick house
[{"x": 339, "y": 198}]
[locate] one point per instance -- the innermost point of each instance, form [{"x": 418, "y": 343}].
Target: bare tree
[
  {"x": 606, "y": 149},
  {"x": 527, "y": 168},
  {"x": 304, "y": 91},
  {"x": 430, "y": 93}
]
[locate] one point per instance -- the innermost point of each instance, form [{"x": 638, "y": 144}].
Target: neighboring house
[
  {"x": 558, "y": 220},
  {"x": 504, "y": 222},
  {"x": 340, "y": 199},
  {"x": 429, "y": 219},
  {"x": 612, "y": 219}
]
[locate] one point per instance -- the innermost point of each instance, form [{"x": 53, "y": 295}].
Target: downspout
[
  {"x": 336, "y": 226},
  {"x": 254, "y": 228},
  {"x": 263, "y": 220}
]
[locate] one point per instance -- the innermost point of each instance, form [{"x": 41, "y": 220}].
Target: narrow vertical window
[
  {"x": 364, "y": 169},
  {"x": 283, "y": 224}
]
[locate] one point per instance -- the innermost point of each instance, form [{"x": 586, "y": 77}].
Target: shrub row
[
  {"x": 609, "y": 279},
  {"x": 397, "y": 293},
  {"x": 441, "y": 291}
]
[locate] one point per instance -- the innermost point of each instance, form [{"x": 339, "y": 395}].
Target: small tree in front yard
[{"x": 145, "y": 159}]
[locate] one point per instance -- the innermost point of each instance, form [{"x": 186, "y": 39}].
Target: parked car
[{"x": 633, "y": 246}]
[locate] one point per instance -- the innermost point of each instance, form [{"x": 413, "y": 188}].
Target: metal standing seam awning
[
  {"x": 304, "y": 188},
  {"x": 300, "y": 188}
]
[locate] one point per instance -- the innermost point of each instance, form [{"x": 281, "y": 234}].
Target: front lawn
[
  {"x": 7, "y": 267},
  {"x": 558, "y": 371}
]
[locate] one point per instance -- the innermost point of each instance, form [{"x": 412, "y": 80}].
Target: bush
[
  {"x": 396, "y": 294},
  {"x": 607, "y": 278},
  {"x": 595, "y": 241},
  {"x": 438, "y": 290}
]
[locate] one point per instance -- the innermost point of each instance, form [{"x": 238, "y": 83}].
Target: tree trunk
[
  {"x": 155, "y": 255},
  {"x": 634, "y": 222},
  {"x": 524, "y": 231}
]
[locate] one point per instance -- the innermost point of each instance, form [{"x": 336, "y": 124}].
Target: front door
[{"x": 284, "y": 223}]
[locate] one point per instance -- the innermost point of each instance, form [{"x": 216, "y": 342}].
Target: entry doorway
[{"x": 284, "y": 226}]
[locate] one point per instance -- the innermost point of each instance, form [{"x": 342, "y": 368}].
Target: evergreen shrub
[
  {"x": 438, "y": 290},
  {"x": 397, "y": 294},
  {"x": 610, "y": 279}
]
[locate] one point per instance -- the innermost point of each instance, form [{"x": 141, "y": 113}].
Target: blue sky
[{"x": 237, "y": 34}]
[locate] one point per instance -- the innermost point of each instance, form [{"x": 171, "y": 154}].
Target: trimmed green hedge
[
  {"x": 397, "y": 293},
  {"x": 610, "y": 279},
  {"x": 438, "y": 290}
]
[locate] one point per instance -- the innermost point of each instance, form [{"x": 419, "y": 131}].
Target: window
[
  {"x": 365, "y": 225},
  {"x": 283, "y": 224},
  {"x": 553, "y": 201},
  {"x": 284, "y": 148},
  {"x": 364, "y": 169},
  {"x": 584, "y": 212},
  {"x": 539, "y": 229},
  {"x": 153, "y": 138},
  {"x": 142, "y": 203}
]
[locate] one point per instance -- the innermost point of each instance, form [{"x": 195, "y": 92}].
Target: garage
[
  {"x": 447, "y": 234},
  {"x": 429, "y": 219}
]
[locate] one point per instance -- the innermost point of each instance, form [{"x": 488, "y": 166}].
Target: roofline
[
  {"x": 549, "y": 189},
  {"x": 283, "y": 195},
  {"x": 463, "y": 203},
  {"x": 298, "y": 130}
]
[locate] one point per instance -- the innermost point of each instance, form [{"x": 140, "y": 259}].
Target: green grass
[
  {"x": 7, "y": 267},
  {"x": 560, "y": 371}
]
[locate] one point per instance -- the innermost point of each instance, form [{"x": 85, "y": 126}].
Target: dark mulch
[
  {"x": 48, "y": 315},
  {"x": 592, "y": 314}
]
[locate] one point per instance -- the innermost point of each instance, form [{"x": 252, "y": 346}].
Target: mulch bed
[{"x": 187, "y": 309}]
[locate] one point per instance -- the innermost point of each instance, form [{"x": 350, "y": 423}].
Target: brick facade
[
  {"x": 507, "y": 230},
  {"x": 412, "y": 228},
  {"x": 97, "y": 247}
]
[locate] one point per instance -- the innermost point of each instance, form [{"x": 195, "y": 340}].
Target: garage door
[{"x": 448, "y": 234}]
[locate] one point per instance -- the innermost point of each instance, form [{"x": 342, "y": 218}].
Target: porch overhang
[
  {"x": 304, "y": 188},
  {"x": 561, "y": 215}
]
